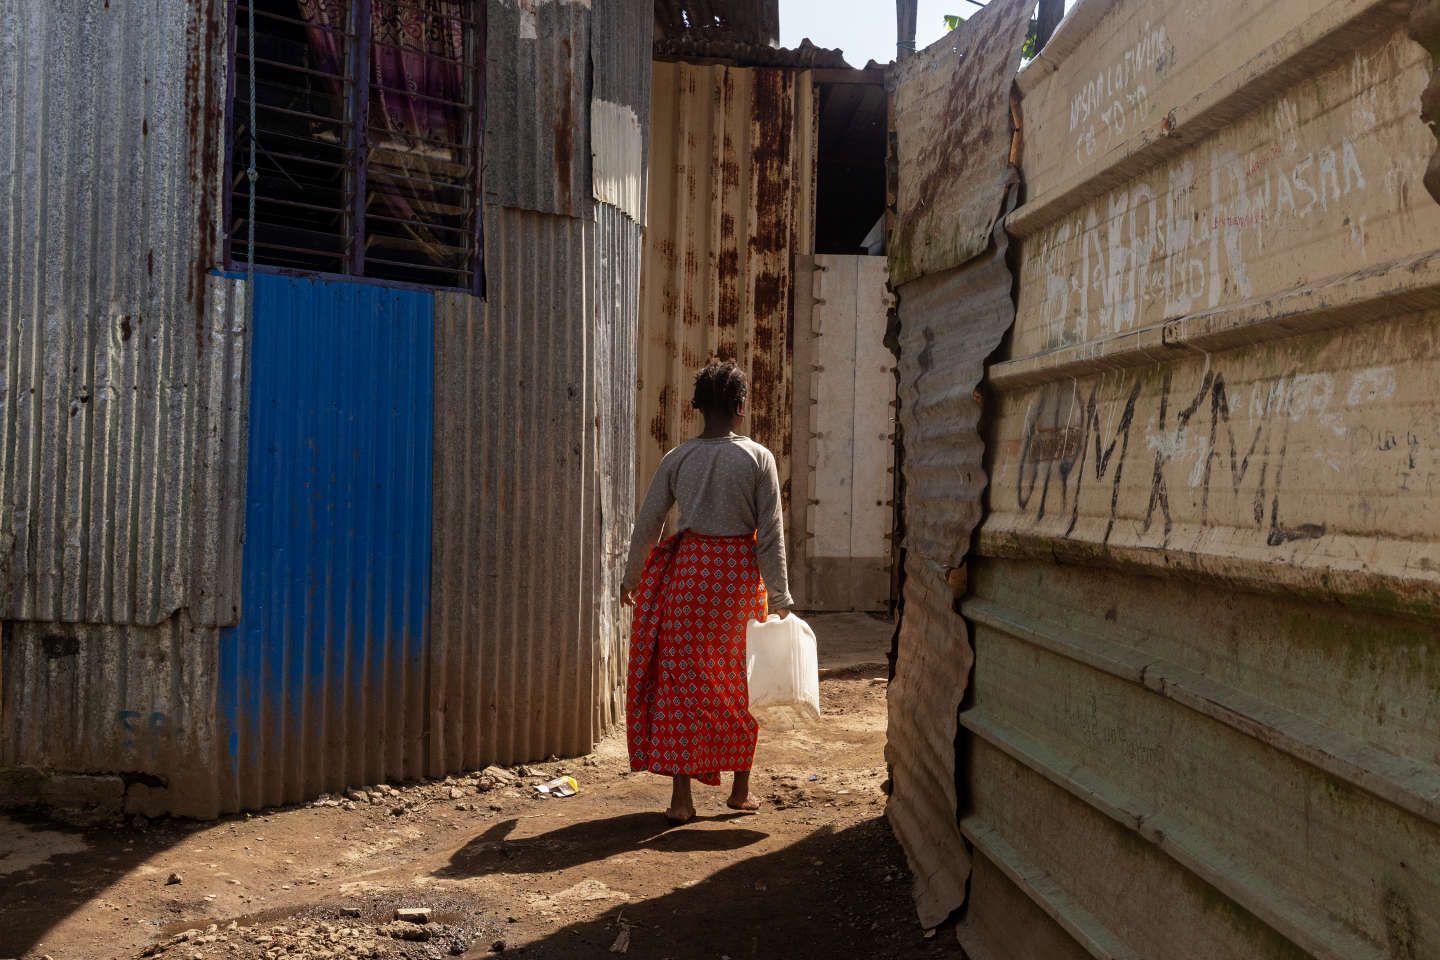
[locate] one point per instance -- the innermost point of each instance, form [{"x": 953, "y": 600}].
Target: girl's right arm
[{"x": 649, "y": 522}]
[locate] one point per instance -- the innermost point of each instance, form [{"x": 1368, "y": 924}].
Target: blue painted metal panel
[{"x": 322, "y": 683}]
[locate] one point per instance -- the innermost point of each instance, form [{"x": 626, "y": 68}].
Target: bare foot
[
  {"x": 682, "y": 805},
  {"x": 740, "y": 796},
  {"x": 678, "y": 816}
]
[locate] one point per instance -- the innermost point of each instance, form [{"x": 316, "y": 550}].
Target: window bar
[
  {"x": 476, "y": 119},
  {"x": 360, "y": 113},
  {"x": 229, "y": 211}
]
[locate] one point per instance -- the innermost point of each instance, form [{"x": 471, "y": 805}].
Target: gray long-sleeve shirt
[{"x": 726, "y": 487}]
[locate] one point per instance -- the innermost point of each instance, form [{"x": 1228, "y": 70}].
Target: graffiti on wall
[
  {"x": 1250, "y": 213},
  {"x": 1208, "y": 443}
]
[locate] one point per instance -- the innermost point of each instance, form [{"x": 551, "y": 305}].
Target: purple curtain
[{"x": 418, "y": 113}]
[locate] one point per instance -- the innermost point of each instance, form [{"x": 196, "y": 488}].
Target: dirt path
[{"x": 816, "y": 874}]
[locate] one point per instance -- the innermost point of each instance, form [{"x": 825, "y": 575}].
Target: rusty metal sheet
[
  {"x": 532, "y": 494},
  {"x": 1206, "y": 590},
  {"x": 948, "y": 325},
  {"x": 698, "y": 48},
  {"x": 952, "y": 132},
  {"x": 755, "y": 21},
  {"x": 932, "y": 667},
  {"x": 121, "y": 364},
  {"x": 537, "y": 105},
  {"x": 620, "y": 243},
  {"x": 131, "y": 701},
  {"x": 729, "y": 206}
]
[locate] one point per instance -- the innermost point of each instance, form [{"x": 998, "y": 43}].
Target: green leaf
[{"x": 1032, "y": 36}]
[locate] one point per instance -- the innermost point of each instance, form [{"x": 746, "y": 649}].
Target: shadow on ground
[
  {"x": 48, "y": 871},
  {"x": 833, "y": 894},
  {"x": 589, "y": 841}
]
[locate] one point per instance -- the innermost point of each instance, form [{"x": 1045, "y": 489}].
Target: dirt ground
[{"x": 502, "y": 870}]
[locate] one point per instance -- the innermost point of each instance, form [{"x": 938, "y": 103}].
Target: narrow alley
[
  {"x": 503, "y": 870},
  {"x": 408, "y": 408}
]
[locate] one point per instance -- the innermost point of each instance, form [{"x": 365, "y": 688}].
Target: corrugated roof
[
  {"x": 120, "y": 440},
  {"x": 701, "y": 48},
  {"x": 754, "y": 21}
]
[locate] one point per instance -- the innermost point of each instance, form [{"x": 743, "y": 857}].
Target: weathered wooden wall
[{"x": 1202, "y": 715}]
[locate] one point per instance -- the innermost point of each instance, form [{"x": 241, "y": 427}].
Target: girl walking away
[{"x": 687, "y": 700}]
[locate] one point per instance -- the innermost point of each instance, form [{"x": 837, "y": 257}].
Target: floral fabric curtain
[{"x": 419, "y": 138}]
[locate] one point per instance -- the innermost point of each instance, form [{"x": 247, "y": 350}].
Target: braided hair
[{"x": 720, "y": 389}]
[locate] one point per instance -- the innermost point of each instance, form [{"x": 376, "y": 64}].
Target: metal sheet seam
[
  {"x": 1088, "y": 930},
  {"x": 1291, "y": 916},
  {"x": 1410, "y": 785}
]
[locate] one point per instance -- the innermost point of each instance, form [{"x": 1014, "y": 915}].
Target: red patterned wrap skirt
[{"x": 687, "y": 700}]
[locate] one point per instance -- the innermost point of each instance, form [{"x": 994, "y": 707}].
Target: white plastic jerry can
[{"x": 782, "y": 666}]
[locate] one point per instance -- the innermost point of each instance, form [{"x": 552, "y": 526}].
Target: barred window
[{"x": 368, "y": 118}]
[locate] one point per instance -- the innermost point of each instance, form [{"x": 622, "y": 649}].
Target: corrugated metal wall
[
  {"x": 122, "y": 472},
  {"x": 534, "y": 440},
  {"x": 516, "y": 517},
  {"x": 620, "y": 103},
  {"x": 122, "y": 376},
  {"x": 127, "y": 701},
  {"x": 119, "y": 447},
  {"x": 322, "y": 682},
  {"x": 1202, "y": 715},
  {"x": 617, "y": 316},
  {"x": 534, "y": 491},
  {"x": 949, "y": 320},
  {"x": 537, "y": 105},
  {"x": 730, "y": 201}
]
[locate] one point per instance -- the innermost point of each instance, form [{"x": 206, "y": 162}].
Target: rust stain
[
  {"x": 205, "y": 118},
  {"x": 954, "y": 134},
  {"x": 564, "y": 128},
  {"x": 659, "y": 428},
  {"x": 771, "y": 299},
  {"x": 730, "y": 168}
]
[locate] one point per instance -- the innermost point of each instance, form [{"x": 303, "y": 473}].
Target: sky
[{"x": 865, "y": 29}]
